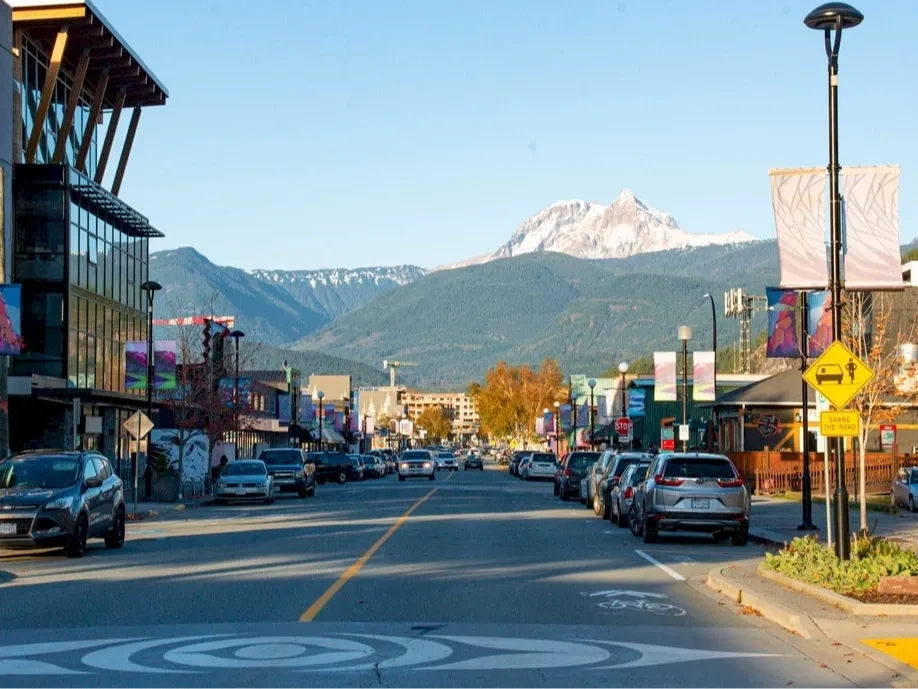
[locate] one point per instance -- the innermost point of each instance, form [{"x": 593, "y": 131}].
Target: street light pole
[
  {"x": 321, "y": 396},
  {"x": 826, "y": 18},
  {"x": 592, "y": 384},
  {"x": 806, "y": 521},
  {"x": 151, "y": 287},
  {"x": 714, "y": 343},
  {"x": 623, "y": 369},
  {"x": 558, "y": 429},
  {"x": 685, "y": 334},
  {"x": 237, "y": 335}
]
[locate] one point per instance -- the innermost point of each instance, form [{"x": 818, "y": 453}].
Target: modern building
[
  {"x": 79, "y": 251},
  {"x": 458, "y": 407}
]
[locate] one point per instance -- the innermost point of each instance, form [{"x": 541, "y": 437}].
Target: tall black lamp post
[
  {"x": 321, "y": 396},
  {"x": 151, "y": 287},
  {"x": 592, "y": 383},
  {"x": 347, "y": 423},
  {"x": 558, "y": 428},
  {"x": 685, "y": 334},
  {"x": 836, "y": 16},
  {"x": 545, "y": 415},
  {"x": 623, "y": 368},
  {"x": 237, "y": 335}
]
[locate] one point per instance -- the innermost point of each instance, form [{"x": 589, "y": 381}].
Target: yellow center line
[{"x": 351, "y": 571}]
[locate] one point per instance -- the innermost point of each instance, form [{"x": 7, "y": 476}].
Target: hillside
[
  {"x": 267, "y": 357},
  {"x": 588, "y": 314}
]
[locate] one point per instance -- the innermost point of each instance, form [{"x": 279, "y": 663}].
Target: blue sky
[{"x": 306, "y": 134}]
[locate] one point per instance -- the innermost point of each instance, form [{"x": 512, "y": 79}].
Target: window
[
  {"x": 89, "y": 470},
  {"x": 103, "y": 471}
]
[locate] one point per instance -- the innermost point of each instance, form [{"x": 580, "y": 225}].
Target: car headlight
[
  {"x": 60, "y": 503},
  {"x": 404, "y": 466},
  {"x": 301, "y": 473},
  {"x": 427, "y": 465},
  {"x": 220, "y": 483}
]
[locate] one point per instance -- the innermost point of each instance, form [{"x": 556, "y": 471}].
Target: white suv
[{"x": 417, "y": 464}]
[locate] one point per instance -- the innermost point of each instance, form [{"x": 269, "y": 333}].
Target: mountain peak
[{"x": 627, "y": 196}]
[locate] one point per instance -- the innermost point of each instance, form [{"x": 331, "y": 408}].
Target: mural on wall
[
  {"x": 10, "y": 319},
  {"x": 165, "y": 449}
]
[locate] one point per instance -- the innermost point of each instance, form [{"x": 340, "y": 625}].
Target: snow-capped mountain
[
  {"x": 588, "y": 229},
  {"x": 336, "y": 277}
]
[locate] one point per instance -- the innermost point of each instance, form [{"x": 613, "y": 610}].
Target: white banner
[
  {"x": 406, "y": 427},
  {"x": 871, "y": 224},
  {"x": 664, "y": 368},
  {"x": 703, "y": 377},
  {"x": 798, "y": 198}
]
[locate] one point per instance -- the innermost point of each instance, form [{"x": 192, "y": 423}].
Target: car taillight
[
  {"x": 660, "y": 481},
  {"x": 567, "y": 472},
  {"x": 730, "y": 482},
  {"x": 629, "y": 493}
]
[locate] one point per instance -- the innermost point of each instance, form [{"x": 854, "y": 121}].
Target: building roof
[
  {"x": 88, "y": 29},
  {"x": 783, "y": 389}
]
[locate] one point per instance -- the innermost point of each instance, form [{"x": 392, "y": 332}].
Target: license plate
[
  {"x": 700, "y": 503},
  {"x": 9, "y": 529},
  {"x": 241, "y": 491}
]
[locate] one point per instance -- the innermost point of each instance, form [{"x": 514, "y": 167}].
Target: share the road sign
[
  {"x": 838, "y": 375},
  {"x": 839, "y": 424}
]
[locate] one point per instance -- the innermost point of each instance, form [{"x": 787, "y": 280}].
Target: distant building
[{"x": 458, "y": 407}]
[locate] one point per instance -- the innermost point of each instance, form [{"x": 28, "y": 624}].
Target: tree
[
  {"x": 872, "y": 331},
  {"x": 911, "y": 255},
  {"x": 434, "y": 421}
]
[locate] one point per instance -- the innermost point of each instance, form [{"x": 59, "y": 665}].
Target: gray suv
[
  {"x": 691, "y": 492},
  {"x": 53, "y": 499}
]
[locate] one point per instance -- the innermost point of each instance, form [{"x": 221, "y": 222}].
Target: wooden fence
[{"x": 771, "y": 473}]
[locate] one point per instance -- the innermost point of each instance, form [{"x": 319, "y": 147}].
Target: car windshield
[
  {"x": 446, "y": 455},
  {"x": 273, "y": 457},
  {"x": 581, "y": 460},
  {"x": 638, "y": 474},
  {"x": 44, "y": 472},
  {"x": 238, "y": 468},
  {"x": 698, "y": 468},
  {"x": 416, "y": 454},
  {"x": 915, "y": 477},
  {"x": 624, "y": 463}
]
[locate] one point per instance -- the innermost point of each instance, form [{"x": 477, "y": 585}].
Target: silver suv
[{"x": 695, "y": 492}]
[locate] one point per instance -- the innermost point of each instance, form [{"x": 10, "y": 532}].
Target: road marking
[
  {"x": 656, "y": 563},
  {"x": 351, "y": 571},
  {"x": 903, "y": 649}
]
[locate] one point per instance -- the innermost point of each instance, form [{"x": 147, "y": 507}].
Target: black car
[
  {"x": 60, "y": 499},
  {"x": 575, "y": 468},
  {"x": 473, "y": 462},
  {"x": 291, "y": 469},
  {"x": 516, "y": 459},
  {"x": 331, "y": 467},
  {"x": 357, "y": 470}
]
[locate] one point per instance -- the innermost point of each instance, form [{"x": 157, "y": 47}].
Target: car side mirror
[{"x": 93, "y": 482}]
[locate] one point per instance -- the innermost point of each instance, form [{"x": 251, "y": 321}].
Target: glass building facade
[{"x": 81, "y": 257}]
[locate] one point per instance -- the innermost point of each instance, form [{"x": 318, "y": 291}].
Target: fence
[{"x": 782, "y": 477}]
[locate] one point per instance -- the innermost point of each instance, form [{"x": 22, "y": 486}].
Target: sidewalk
[
  {"x": 775, "y": 520},
  {"x": 150, "y": 509}
]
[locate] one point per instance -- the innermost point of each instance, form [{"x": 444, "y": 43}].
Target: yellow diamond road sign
[
  {"x": 839, "y": 424},
  {"x": 838, "y": 374}
]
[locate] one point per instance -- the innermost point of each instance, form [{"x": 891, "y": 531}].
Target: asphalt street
[{"x": 474, "y": 579}]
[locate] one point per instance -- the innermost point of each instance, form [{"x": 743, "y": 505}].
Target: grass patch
[
  {"x": 878, "y": 502},
  {"x": 871, "y": 558}
]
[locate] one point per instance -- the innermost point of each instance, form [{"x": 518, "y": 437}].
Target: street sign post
[
  {"x": 839, "y": 424},
  {"x": 137, "y": 426},
  {"x": 623, "y": 426},
  {"x": 838, "y": 375}
]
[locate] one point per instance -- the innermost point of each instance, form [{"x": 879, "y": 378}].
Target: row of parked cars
[{"x": 649, "y": 493}]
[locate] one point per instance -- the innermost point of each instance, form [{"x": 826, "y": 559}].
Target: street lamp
[
  {"x": 623, "y": 369},
  {"x": 347, "y": 423},
  {"x": 237, "y": 335},
  {"x": 592, "y": 383},
  {"x": 151, "y": 287},
  {"x": 321, "y": 396},
  {"x": 558, "y": 428},
  {"x": 685, "y": 334},
  {"x": 714, "y": 343},
  {"x": 547, "y": 433},
  {"x": 826, "y": 18}
]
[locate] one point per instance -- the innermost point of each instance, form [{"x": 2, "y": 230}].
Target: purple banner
[
  {"x": 819, "y": 304},
  {"x": 782, "y": 324}
]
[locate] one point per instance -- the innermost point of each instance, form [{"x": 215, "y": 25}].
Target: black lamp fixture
[{"x": 151, "y": 287}]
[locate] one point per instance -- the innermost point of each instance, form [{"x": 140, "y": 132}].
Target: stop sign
[{"x": 623, "y": 426}]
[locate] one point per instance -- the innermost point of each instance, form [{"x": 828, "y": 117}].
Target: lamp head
[
  {"x": 320, "y": 394},
  {"x": 827, "y": 17},
  {"x": 237, "y": 334},
  {"x": 623, "y": 367},
  {"x": 557, "y": 405},
  {"x": 151, "y": 286},
  {"x": 591, "y": 383},
  {"x": 685, "y": 333}
]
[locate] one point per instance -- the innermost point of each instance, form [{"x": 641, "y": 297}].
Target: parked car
[
  {"x": 542, "y": 465},
  {"x": 358, "y": 470},
  {"x": 617, "y": 498},
  {"x": 601, "y": 501},
  {"x": 600, "y": 462},
  {"x": 291, "y": 469},
  {"x": 522, "y": 471},
  {"x": 375, "y": 464},
  {"x": 244, "y": 479},
  {"x": 447, "y": 460},
  {"x": 574, "y": 470},
  {"x": 692, "y": 492},
  {"x": 515, "y": 460},
  {"x": 905, "y": 488},
  {"x": 417, "y": 464},
  {"x": 60, "y": 499},
  {"x": 331, "y": 466},
  {"x": 473, "y": 462}
]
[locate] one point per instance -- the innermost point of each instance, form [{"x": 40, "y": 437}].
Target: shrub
[{"x": 871, "y": 558}]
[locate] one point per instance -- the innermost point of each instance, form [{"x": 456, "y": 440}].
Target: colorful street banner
[
  {"x": 783, "y": 340},
  {"x": 339, "y": 421},
  {"x": 305, "y": 414},
  {"x": 703, "y": 377},
  {"x": 873, "y": 258},
  {"x": 135, "y": 365},
  {"x": 165, "y": 355},
  {"x": 228, "y": 390},
  {"x": 565, "y": 418},
  {"x": 284, "y": 409},
  {"x": 603, "y": 413},
  {"x": 540, "y": 426},
  {"x": 549, "y": 422},
  {"x": 819, "y": 304},
  {"x": 636, "y": 403},
  {"x": 664, "y": 376},
  {"x": 798, "y": 199},
  {"x": 10, "y": 320}
]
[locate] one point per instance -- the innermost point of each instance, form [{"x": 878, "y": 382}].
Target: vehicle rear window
[
  {"x": 588, "y": 456},
  {"x": 623, "y": 463},
  {"x": 698, "y": 468},
  {"x": 544, "y": 458},
  {"x": 638, "y": 474},
  {"x": 244, "y": 469},
  {"x": 580, "y": 461},
  {"x": 270, "y": 457},
  {"x": 419, "y": 454}
]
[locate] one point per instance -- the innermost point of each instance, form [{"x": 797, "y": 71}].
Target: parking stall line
[{"x": 656, "y": 563}]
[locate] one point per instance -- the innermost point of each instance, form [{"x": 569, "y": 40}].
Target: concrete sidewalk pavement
[
  {"x": 775, "y": 520},
  {"x": 150, "y": 510}
]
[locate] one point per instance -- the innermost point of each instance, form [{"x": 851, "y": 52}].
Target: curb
[
  {"x": 851, "y": 605},
  {"x": 182, "y": 507},
  {"x": 6, "y": 577},
  {"x": 787, "y": 618},
  {"x": 768, "y": 537}
]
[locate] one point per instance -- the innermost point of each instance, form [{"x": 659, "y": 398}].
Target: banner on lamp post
[
  {"x": 703, "y": 377},
  {"x": 664, "y": 376},
  {"x": 798, "y": 199}
]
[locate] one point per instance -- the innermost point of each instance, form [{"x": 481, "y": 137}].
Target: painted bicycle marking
[{"x": 618, "y": 600}]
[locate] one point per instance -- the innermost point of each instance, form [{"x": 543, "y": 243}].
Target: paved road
[{"x": 487, "y": 581}]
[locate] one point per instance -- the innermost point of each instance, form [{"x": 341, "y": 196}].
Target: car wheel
[
  {"x": 303, "y": 492},
  {"x": 621, "y": 520},
  {"x": 741, "y": 538},
  {"x": 634, "y": 523},
  {"x": 310, "y": 492},
  {"x": 433, "y": 477},
  {"x": 114, "y": 539},
  {"x": 597, "y": 505},
  {"x": 650, "y": 535},
  {"x": 77, "y": 545},
  {"x": 342, "y": 478},
  {"x": 562, "y": 493},
  {"x": 606, "y": 506},
  {"x": 556, "y": 488},
  {"x": 401, "y": 478},
  {"x": 911, "y": 503}
]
